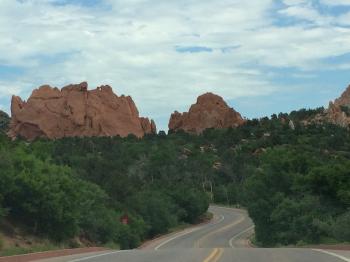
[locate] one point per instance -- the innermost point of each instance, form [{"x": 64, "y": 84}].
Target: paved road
[{"x": 224, "y": 240}]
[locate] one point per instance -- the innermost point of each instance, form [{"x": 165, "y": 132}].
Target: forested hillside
[{"x": 293, "y": 178}]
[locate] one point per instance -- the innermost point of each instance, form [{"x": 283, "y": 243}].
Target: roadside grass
[
  {"x": 179, "y": 227},
  {"x": 112, "y": 245},
  {"x": 207, "y": 216},
  {"x": 43, "y": 247},
  {"x": 253, "y": 241},
  {"x": 324, "y": 242},
  {"x": 11, "y": 251},
  {"x": 34, "y": 245}
]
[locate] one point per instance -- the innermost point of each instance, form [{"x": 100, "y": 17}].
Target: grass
[
  {"x": 179, "y": 227},
  {"x": 38, "y": 246},
  {"x": 112, "y": 245},
  {"x": 206, "y": 217},
  {"x": 11, "y": 251},
  {"x": 48, "y": 246},
  {"x": 253, "y": 241}
]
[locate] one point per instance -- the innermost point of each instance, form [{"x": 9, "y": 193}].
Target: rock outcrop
[
  {"x": 338, "y": 111},
  {"x": 76, "y": 111},
  {"x": 210, "y": 111}
]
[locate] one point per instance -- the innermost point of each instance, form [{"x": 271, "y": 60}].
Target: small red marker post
[{"x": 124, "y": 219}]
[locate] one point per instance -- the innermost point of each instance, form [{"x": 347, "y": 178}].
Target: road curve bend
[{"x": 224, "y": 239}]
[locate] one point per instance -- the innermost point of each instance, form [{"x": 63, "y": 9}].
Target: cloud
[
  {"x": 335, "y": 2},
  {"x": 344, "y": 19},
  {"x": 192, "y": 49},
  {"x": 165, "y": 53}
]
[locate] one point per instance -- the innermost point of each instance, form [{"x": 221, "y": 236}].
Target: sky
[{"x": 261, "y": 56}]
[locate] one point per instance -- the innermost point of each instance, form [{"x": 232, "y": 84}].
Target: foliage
[
  {"x": 341, "y": 227},
  {"x": 294, "y": 181},
  {"x": 4, "y": 121},
  {"x": 49, "y": 199},
  {"x": 1, "y": 243}
]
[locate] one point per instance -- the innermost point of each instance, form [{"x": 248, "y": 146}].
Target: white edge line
[
  {"x": 176, "y": 236},
  {"x": 239, "y": 234},
  {"x": 188, "y": 232},
  {"x": 333, "y": 254},
  {"x": 105, "y": 254},
  {"x": 217, "y": 222}
]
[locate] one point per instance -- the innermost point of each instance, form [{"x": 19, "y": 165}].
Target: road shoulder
[{"x": 52, "y": 254}]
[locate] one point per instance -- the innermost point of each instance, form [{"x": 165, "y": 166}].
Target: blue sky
[{"x": 262, "y": 56}]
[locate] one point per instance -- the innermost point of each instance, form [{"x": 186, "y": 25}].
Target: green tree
[
  {"x": 341, "y": 227},
  {"x": 156, "y": 209},
  {"x": 192, "y": 202}
]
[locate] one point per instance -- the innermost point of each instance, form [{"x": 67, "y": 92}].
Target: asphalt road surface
[{"x": 225, "y": 239}]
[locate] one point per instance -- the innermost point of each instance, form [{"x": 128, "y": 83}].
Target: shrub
[
  {"x": 156, "y": 209},
  {"x": 341, "y": 227},
  {"x": 1, "y": 243}
]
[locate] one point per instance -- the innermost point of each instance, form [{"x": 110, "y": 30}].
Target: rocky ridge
[
  {"x": 338, "y": 111},
  {"x": 76, "y": 111}
]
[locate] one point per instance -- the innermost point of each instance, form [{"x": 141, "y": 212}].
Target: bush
[
  {"x": 192, "y": 202},
  {"x": 156, "y": 209},
  {"x": 51, "y": 201},
  {"x": 4, "y": 121},
  {"x": 341, "y": 227},
  {"x": 1, "y": 243},
  {"x": 2, "y": 211},
  {"x": 127, "y": 238}
]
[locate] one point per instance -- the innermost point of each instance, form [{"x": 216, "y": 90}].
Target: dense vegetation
[
  {"x": 294, "y": 180},
  {"x": 4, "y": 121},
  {"x": 82, "y": 187}
]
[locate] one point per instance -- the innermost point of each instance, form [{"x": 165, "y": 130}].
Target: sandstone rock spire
[{"x": 210, "y": 111}]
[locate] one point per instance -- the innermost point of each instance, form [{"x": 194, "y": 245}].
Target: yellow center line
[
  {"x": 215, "y": 255},
  {"x": 199, "y": 241},
  {"x": 212, "y": 255},
  {"x": 219, "y": 254}
]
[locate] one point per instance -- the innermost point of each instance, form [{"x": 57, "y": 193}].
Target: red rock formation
[
  {"x": 344, "y": 99},
  {"x": 75, "y": 111},
  {"x": 339, "y": 111},
  {"x": 210, "y": 111}
]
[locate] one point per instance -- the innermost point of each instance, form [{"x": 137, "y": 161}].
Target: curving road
[{"x": 224, "y": 239}]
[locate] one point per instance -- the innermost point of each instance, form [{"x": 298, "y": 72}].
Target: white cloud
[
  {"x": 344, "y": 19},
  {"x": 305, "y": 12},
  {"x": 335, "y": 2},
  {"x": 132, "y": 47}
]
